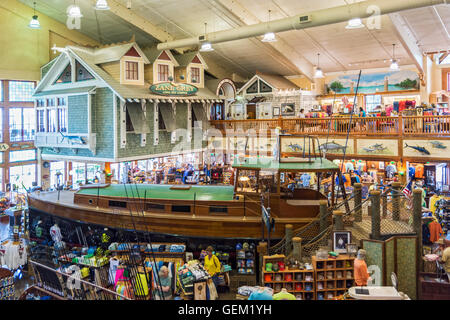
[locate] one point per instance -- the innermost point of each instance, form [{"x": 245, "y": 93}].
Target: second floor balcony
[{"x": 429, "y": 126}]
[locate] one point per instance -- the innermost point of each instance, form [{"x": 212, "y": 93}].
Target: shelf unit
[
  {"x": 7, "y": 289},
  {"x": 334, "y": 276},
  {"x": 245, "y": 263},
  {"x": 296, "y": 283}
]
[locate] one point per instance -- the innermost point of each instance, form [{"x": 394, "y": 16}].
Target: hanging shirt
[
  {"x": 349, "y": 167},
  {"x": 433, "y": 201},
  {"x": 55, "y": 233},
  {"x": 419, "y": 171},
  {"x": 435, "y": 231},
  {"x": 361, "y": 273},
  {"x": 113, "y": 265},
  {"x": 305, "y": 178},
  {"x": 390, "y": 170},
  {"x": 347, "y": 181},
  {"x": 360, "y": 167},
  {"x": 411, "y": 172}
]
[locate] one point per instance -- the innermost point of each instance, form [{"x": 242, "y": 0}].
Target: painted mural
[
  {"x": 377, "y": 147},
  {"x": 376, "y": 82},
  {"x": 426, "y": 148}
]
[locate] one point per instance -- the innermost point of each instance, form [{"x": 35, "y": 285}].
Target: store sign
[
  {"x": 173, "y": 89},
  {"x": 4, "y": 147}
]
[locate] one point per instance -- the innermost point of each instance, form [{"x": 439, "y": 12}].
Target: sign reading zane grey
[{"x": 173, "y": 89}]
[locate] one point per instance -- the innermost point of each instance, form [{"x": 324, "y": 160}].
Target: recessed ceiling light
[{"x": 206, "y": 46}]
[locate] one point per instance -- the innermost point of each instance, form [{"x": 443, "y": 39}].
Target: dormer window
[
  {"x": 195, "y": 75},
  {"x": 131, "y": 70},
  {"x": 82, "y": 74},
  {"x": 65, "y": 76},
  {"x": 163, "y": 72}
]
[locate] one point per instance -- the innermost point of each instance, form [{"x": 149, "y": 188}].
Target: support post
[
  {"x": 338, "y": 222},
  {"x": 396, "y": 201},
  {"x": 344, "y": 194},
  {"x": 384, "y": 205},
  {"x": 417, "y": 222},
  {"x": 288, "y": 245},
  {"x": 358, "y": 201},
  {"x": 262, "y": 251},
  {"x": 297, "y": 248},
  {"x": 323, "y": 212},
  {"x": 376, "y": 220}
]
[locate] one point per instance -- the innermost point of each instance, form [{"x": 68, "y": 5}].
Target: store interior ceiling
[{"x": 341, "y": 49}]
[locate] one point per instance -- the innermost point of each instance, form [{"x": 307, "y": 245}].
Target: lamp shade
[
  {"x": 34, "y": 23},
  {"x": 74, "y": 11},
  {"x": 318, "y": 74},
  {"x": 394, "y": 65},
  {"x": 354, "y": 23},
  {"x": 269, "y": 37},
  {"x": 101, "y": 5},
  {"x": 206, "y": 46}
]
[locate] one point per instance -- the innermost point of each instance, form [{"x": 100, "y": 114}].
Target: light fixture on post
[
  {"x": 394, "y": 64},
  {"x": 74, "y": 11},
  {"x": 319, "y": 72},
  {"x": 206, "y": 46},
  {"x": 34, "y": 23},
  {"x": 101, "y": 5},
  {"x": 269, "y": 36}
]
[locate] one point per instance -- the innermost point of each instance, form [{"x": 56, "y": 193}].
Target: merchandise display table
[{"x": 377, "y": 293}]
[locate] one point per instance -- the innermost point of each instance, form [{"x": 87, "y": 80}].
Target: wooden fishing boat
[{"x": 195, "y": 210}]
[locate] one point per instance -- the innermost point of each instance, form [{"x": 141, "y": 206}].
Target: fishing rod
[
  {"x": 149, "y": 241},
  {"x": 135, "y": 232},
  {"x": 331, "y": 118}
]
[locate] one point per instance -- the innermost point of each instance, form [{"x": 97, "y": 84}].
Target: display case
[
  {"x": 334, "y": 276},
  {"x": 296, "y": 281},
  {"x": 245, "y": 261}
]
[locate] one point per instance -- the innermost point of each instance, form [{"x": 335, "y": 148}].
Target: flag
[{"x": 407, "y": 191}]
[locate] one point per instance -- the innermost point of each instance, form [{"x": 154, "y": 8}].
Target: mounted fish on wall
[
  {"x": 427, "y": 148},
  {"x": 377, "y": 147},
  {"x": 335, "y": 146}
]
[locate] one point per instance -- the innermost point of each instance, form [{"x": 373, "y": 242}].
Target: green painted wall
[{"x": 78, "y": 114}]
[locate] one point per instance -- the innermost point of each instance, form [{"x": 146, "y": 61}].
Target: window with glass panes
[
  {"x": 78, "y": 173},
  {"x": 62, "y": 114},
  {"x": 21, "y": 91},
  {"x": 21, "y": 124},
  {"x": 20, "y": 176},
  {"x": 372, "y": 101},
  {"x": 195, "y": 75},
  {"x": 163, "y": 72},
  {"x": 131, "y": 70}
]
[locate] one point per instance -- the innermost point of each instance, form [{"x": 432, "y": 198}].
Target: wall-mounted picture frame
[
  {"x": 288, "y": 109},
  {"x": 282, "y": 177},
  {"x": 276, "y": 111},
  {"x": 340, "y": 241},
  {"x": 352, "y": 249}
]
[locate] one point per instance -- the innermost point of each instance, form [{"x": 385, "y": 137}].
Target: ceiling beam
[
  {"x": 283, "y": 51},
  {"x": 142, "y": 23},
  {"x": 407, "y": 39}
]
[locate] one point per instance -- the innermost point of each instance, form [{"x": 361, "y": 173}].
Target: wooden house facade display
[
  {"x": 269, "y": 96},
  {"x": 120, "y": 103}
]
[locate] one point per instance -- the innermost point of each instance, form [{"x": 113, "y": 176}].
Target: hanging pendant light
[
  {"x": 319, "y": 72},
  {"x": 269, "y": 36},
  {"x": 394, "y": 65},
  {"x": 354, "y": 23},
  {"x": 206, "y": 46},
  {"x": 34, "y": 23},
  {"x": 74, "y": 11},
  {"x": 101, "y": 5}
]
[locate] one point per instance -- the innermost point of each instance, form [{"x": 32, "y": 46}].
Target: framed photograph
[
  {"x": 288, "y": 109},
  {"x": 282, "y": 177},
  {"x": 276, "y": 111},
  {"x": 352, "y": 249},
  {"x": 381, "y": 165},
  {"x": 340, "y": 241}
]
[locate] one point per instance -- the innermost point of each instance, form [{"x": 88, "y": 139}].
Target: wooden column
[
  {"x": 376, "y": 219},
  {"x": 297, "y": 248},
  {"x": 333, "y": 177},
  {"x": 417, "y": 223},
  {"x": 262, "y": 251},
  {"x": 323, "y": 212},
  {"x": 338, "y": 222},
  {"x": 288, "y": 233},
  {"x": 358, "y": 201},
  {"x": 396, "y": 186}
]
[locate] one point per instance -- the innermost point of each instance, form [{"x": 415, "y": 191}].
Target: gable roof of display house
[
  {"x": 275, "y": 81},
  {"x": 193, "y": 57},
  {"x": 92, "y": 58}
]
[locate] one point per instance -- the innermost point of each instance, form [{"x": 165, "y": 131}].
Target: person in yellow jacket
[{"x": 212, "y": 263}]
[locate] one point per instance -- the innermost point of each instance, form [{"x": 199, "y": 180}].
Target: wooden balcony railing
[{"x": 384, "y": 126}]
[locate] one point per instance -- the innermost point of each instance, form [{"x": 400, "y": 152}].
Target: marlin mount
[{"x": 298, "y": 148}]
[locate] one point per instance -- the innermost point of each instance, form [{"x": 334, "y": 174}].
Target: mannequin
[
  {"x": 284, "y": 295},
  {"x": 360, "y": 269}
]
